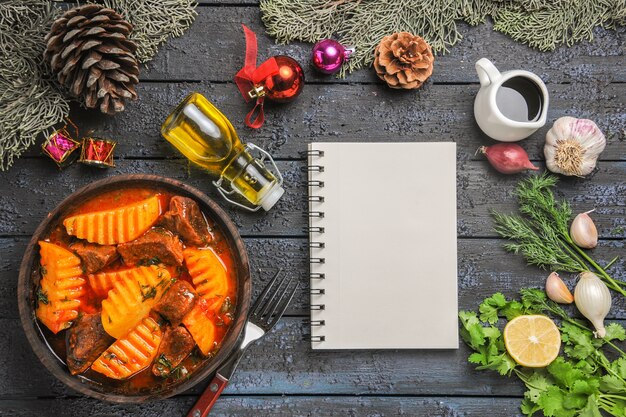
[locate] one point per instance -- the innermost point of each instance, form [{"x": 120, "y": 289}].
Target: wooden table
[{"x": 282, "y": 376}]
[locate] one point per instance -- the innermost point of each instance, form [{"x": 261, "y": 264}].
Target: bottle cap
[{"x": 272, "y": 196}]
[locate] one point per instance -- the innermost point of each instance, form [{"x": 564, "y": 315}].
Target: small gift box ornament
[
  {"x": 61, "y": 147},
  {"x": 97, "y": 152}
]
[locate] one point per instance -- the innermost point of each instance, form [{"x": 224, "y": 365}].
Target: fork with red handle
[{"x": 264, "y": 315}]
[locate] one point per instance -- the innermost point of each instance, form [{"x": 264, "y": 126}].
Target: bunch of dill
[{"x": 541, "y": 232}]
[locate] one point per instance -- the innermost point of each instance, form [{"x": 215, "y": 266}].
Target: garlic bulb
[
  {"x": 593, "y": 299},
  {"x": 573, "y": 146},
  {"x": 583, "y": 231},
  {"x": 557, "y": 291}
]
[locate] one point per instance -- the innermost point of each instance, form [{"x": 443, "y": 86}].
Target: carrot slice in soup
[
  {"x": 131, "y": 354},
  {"x": 131, "y": 299},
  {"x": 119, "y": 225},
  {"x": 60, "y": 288},
  {"x": 201, "y": 327},
  {"x": 208, "y": 274}
]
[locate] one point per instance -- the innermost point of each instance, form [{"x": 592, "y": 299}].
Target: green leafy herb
[
  {"x": 42, "y": 296},
  {"x": 155, "y": 260},
  {"x": 179, "y": 372},
  {"x": 163, "y": 364},
  {"x": 581, "y": 382},
  {"x": 147, "y": 292},
  {"x": 541, "y": 232}
]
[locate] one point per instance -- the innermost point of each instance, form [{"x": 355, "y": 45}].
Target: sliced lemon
[{"x": 532, "y": 341}]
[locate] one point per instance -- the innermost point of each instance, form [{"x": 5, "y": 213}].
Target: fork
[{"x": 265, "y": 313}]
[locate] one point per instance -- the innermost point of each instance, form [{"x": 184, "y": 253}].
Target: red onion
[{"x": 507, "y": 158}]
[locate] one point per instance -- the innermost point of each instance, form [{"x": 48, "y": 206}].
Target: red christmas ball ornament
[
  {"x": 287, "y": 84},
  {"x": 284, "y": 84}
]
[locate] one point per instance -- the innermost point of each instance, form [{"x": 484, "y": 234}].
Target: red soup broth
[{"x": 145, "y": 381}]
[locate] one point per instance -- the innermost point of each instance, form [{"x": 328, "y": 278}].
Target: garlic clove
[
  {"x": 557, "y": 291},
  {"x": 593, "y": 300},
  {"x": 583, "y": 231}
]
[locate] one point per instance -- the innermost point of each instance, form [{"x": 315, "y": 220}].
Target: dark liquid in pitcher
[{"x": 519, "y": 99}]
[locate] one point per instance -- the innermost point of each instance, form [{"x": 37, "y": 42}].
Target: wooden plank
[
  {"x": 484, "y": 268},
  {"x": 362, "y": 113},
  {"x": 38, "y": 185},
  {"x": 283, "y": 363},
  {"x": 228, "y": 406},
  {"x": 213, "y": 49}
]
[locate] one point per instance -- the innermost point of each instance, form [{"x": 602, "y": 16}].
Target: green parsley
[
  {"x": 179, "y": 372},
  {"x": 147, "y": 292},
  {"x": 155, "y": 260},
  {"x": 163, "y": 365},
  {"x": 583, "y": 381},
  {"x": 42, "y": 296}
]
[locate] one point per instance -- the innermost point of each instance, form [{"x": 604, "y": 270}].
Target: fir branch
[
  {"x": 542, "y": 24},
  {"x": 155, "y": 21},
  {"x": 30, "y": 102}
]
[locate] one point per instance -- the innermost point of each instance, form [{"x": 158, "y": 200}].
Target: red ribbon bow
[{"x": 250, "y": 76}]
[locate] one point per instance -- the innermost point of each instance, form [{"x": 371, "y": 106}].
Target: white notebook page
[{"x": 390, "y": 256}]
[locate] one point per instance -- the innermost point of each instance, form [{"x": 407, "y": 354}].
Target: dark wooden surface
[{"x": 281, "y": 376}]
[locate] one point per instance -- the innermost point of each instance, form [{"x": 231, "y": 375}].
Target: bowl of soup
[{"x": 135, "y": 287}]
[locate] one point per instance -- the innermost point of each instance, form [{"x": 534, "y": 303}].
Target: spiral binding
[
  {"x": 312, "y": 152},
  {"x": 318, "y": 230},
  {"x": 319, "y": 214},
  {"x": 315, "y": 183}
]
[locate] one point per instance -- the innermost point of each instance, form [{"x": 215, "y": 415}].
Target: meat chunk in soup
[
  {"x": 85, "y": 341},
  {"x": 177, "y": 302},
  {"x": 185, "y": 219},
  {"x": 94, "y": 257},
  {"x": 176, "y": 345},
  {"x": 156, "y": 246}
]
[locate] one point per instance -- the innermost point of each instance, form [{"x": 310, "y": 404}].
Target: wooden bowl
[{"x": 29, "y": 277}]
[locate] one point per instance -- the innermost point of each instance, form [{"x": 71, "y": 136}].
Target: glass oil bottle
[{"x": 206, "y": 137}]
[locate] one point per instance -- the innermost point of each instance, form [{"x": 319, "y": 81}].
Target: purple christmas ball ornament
[{"x": 328, "y": 56}]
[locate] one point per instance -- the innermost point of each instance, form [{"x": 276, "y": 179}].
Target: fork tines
[{"x": 273, "y": 301}]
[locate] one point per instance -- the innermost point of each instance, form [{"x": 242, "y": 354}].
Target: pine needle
[
  {"x": 30, "y": 103},
  {"x": 155, "y": 21},
  {"x": 542, "y": 24}
]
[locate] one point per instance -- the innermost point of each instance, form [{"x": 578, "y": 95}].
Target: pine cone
[
  {"x": 89, "y": 51},
  {"x": 403, "y": 60}
]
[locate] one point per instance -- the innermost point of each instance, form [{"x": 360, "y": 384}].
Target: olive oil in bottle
[{"x": 206, "y": 137}]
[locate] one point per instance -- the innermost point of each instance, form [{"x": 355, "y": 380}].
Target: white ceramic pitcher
[{"x": 486, "y": 112}]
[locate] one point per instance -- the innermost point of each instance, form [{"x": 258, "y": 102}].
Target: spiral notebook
[{"x": 382, "y": 237}]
